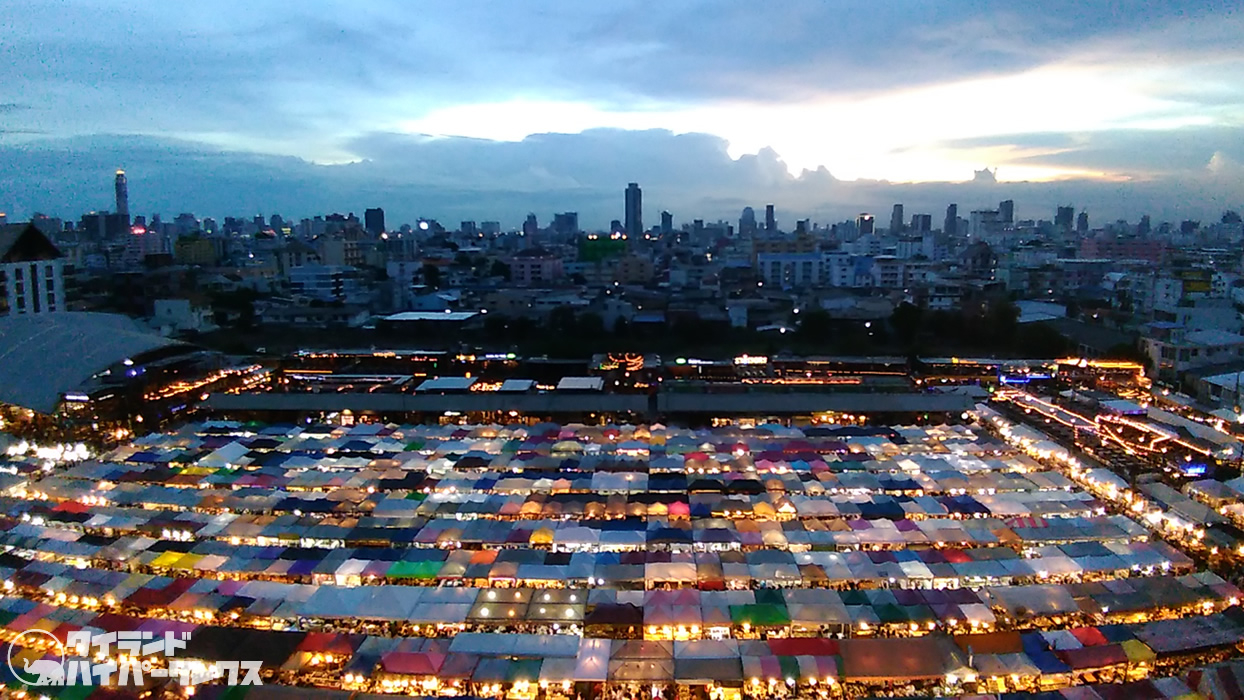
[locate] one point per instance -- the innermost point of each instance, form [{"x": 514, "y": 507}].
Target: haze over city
[{"x": 491, "y": 111}]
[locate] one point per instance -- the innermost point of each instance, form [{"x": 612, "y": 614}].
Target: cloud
[
  {"x": 452, "y": 179},
  {"x": 1138, "y": 153},
  {"x": 301, "y": 80},
  {"x": 985, "y": 176}
]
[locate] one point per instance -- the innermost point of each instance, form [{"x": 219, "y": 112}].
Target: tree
[
  {"x": 1231, "y": 216},
  {"x": 591, "y": 325},
  {"x": 499, "y": 269},
  {"x": 432, "y": 276},
  {"x": 562, "y": 320},
  {"x": 1001, "y": 320},
  {"x": 906, "y": 321},
  {"x": 815, "y": 325},
  {"x": 1073, "y": 308},
  {"x": 1041, "y": 340}
]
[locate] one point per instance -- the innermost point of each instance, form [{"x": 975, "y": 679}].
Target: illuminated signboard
[
  {"x": 751, "y": 360},
  {"x": 1194, "y": 469}
]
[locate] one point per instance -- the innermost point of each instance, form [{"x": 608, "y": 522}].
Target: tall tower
[
  {"x": 1006, "y": 210},
  {"x": 770, "y": 219},
  {"x": 373, "y": 221},
  {"x": 747, "y": 222},
  {"x": 634, "y": 211},
  {"x": 123, "y": 194},
  {"x": 896, "y": 219},
  {"x": 951, "y": 226}
]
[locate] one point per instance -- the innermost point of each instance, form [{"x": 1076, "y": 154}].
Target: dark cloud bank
[{"x": 690, "y": 174}]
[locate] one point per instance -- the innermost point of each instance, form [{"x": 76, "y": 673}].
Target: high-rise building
[
  {"x": 747, "y": 222},
  {"x": 531, "y": 226},
  {"x": 984, "y": 224},
  {"x": 896, "y": 219},
  {"x": 921, "y": 223},
  {"x": 951, "y": 225},
  {"x": 123, "y": 194},
  {"x": 770, "y": 219},
  {"x": 1006, "y": 212},
  {"x": 373, "y": 221},
  {"x": 566, "y": 222},
  {"x": 185, "y": 224},
  {"x": 1064, "y": 218},
  {"x": 31, "y": 272},
  {"x": 634, "y": 210},
  {"x": 667, "y": 223},
  {"x": 864, "y": 223},
  {"x": 1145, "y": 227},
  {"x": 1082, "y": 222}
]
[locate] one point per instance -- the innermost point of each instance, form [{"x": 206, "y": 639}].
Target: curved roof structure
[{"x": 42, "y": 356}]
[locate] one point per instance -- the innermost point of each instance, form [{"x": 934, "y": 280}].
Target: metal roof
[
  {"x": 581, "y": 384},
  {"x": 432, "y": 316},
  {"x": 446, "y": 384},
  {"x": 43, "y": 356}
]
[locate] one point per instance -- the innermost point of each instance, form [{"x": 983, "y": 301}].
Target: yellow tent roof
[
  {"x": 1137, "y": 652},
  {"x": 186, "y": 561},
  {"x": 167, "y": 559}
]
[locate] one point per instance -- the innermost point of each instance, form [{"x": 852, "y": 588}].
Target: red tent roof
[{"x": 1089, "y": 636}]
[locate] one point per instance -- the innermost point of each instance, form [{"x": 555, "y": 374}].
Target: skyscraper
[
  {"x": 896, "y": 219},
  {"x": 1006, "y": 211},
  {"x": 373, "y": 221},
  {"x": 566, "y": 223},
  {"x": 531, "y": 226},
  {"x": 770, "y": 219},
  {"x": 864, "y": 222},
  {"x": 1064, "y": 218},
  {"x": 921, "y": 223},
  {"x": 634, "y": 210},
  {"x": 123, "y": 194},
  {"x": 1082, "y": 222},
  {"x": 747, "y": 222},
  {"x": 951, "y": 225},
  {"x": 667, "y": 223}
]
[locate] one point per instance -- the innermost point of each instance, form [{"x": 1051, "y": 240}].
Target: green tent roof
[{"x": 759, "y": 615}]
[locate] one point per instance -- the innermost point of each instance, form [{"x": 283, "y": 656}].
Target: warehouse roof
[{"x": 43, "y": 356}]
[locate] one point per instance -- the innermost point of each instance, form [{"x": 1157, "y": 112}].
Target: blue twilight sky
[{"x": 488, "y": 110}]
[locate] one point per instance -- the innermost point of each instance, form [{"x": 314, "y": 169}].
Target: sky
[{"x": 467, "y": 109}]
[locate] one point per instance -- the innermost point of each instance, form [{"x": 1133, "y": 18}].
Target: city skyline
[{"x": 825, "y": 109}]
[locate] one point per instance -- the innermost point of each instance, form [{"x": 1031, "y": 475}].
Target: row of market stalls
[
  {"x": 470, "y": 661},
  {"x": 609, "y": 612},
  {"x": 564, "y": 554},
  {"x": 409, "y": 494},
  {"x": 527, "y": 561}
]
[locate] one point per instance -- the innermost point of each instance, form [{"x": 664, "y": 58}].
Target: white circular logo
[{"x": 42, "y": 671}]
